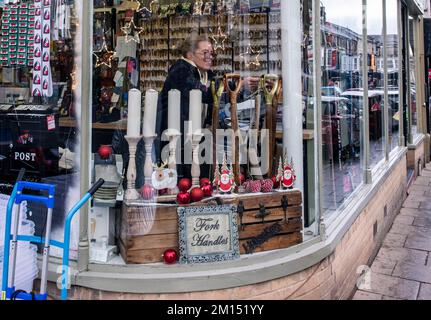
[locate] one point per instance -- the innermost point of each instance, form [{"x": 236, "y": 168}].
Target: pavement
[{"x": 402, "y": 268}]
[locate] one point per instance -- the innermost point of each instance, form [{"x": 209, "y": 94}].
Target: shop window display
[
  {"x": 37, "y": 77},
  {"x": 185, "y": 77},
  {"x": 342, "y": 101}
]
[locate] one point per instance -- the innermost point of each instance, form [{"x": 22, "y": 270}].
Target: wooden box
[{"x": 265, "y": 221}]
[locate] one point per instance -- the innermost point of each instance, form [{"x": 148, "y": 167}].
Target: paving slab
[
  {"x": 422, "y": 221},
  {"x": 413, "y": 271},
  {"x": 383, "y": 266},
  {"x": 393, "y": 287},
  {"x": 394, "y": 240},
  {"x": 425, "y": 292},
  {"x": 362, "y": 295},
  {"x": 401, "y": 255}
]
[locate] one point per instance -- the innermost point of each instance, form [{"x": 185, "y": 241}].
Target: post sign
[{"x": 208, "y": 234}]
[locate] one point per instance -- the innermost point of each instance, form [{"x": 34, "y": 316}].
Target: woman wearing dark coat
[{"x": 192, "y": 71}]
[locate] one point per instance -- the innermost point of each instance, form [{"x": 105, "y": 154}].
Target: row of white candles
[{"x": 150, "y": 112}]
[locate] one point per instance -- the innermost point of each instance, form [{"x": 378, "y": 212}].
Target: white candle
[
  {"x": 134, "y": 113},
  {"x": 174, "y": 111},
  {"x": 150, "y": 113},
  {"x": 195, "y": 111}
]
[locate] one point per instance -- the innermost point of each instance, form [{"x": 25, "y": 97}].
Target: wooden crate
[{"x": 146, "y": 232}]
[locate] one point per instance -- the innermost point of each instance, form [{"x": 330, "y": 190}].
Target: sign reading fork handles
[
  {"x": 233, "y": 95},
  {"x": 271, "y": 112}
]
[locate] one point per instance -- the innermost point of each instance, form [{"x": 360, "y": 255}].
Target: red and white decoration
[
  {"x": 42, "y": 78},
  {"x": 226, "y": 183},
  {"x": 163, "y": 178},
  {"x": 288, "y": 178}
]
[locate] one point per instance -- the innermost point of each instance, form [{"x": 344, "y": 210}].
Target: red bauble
[
  {"x": 205, "y": 182},
  {"x": 276, "y": 183},
  {"x": 183, "y": 198},
  {"x": 185, "y": 184},
  {"x": 207, "y": 190},
  {"x": 105, "y": 151},
  {"x": 170, "y": 256},
  {"x": 147, "y": 192},
  {"x": 196, "y": 195}
]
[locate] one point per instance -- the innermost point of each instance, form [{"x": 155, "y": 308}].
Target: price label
[
  {"x": 51, "y": 122},
  {"x": 3, "y": 295}
]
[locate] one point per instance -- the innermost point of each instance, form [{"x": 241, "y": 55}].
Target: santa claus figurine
[
  {"x": 289, "y": 177},
  {"x": 226, "y": 182}
]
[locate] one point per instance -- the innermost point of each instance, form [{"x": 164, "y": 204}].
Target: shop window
[
  {"x": 38, "y": 129},
  {"x": 412, "y": 74},
  {"x": 393, "y": 74},
  {"x": 230, "y": 53},
  {"x": 376, "y": 77},
  {"x": 342, "y": 103}
]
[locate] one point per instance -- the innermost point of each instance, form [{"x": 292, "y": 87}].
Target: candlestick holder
[
  {"x": 148, "y": 166},
  {"x": 173, "y": 136},
  {"x": 196, "y": 169},
  {"x": 132, "y": 193}
]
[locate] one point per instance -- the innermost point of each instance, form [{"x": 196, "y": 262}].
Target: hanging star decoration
[
  {"x": 132, "y": 32},
  {"x": 152, "y": 8},
  {"x": 251, "y": 57},
  {"x": 219, "y": 39},
  {"x": 104, "y": 56}
]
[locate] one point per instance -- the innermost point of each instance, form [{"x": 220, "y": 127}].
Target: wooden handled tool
[
  {"x": 270, "y": 113},
  {"x": 254, "y": 163},
  {"x": 216, "y": 93},
  {"x": 233, "y": 95}
]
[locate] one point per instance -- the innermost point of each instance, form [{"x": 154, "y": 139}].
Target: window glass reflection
[{"x": 342, "y": 100}]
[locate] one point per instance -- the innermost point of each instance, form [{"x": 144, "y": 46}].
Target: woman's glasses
[{"x": 206, "y": 54}]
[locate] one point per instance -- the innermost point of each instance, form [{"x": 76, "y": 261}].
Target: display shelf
[{"x": 72, "y": 123}]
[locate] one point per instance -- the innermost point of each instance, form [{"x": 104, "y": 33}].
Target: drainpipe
[{"x": 84, "y": 90}]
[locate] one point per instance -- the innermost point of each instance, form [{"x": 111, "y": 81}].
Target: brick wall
[{"x": 333, "y": 278}]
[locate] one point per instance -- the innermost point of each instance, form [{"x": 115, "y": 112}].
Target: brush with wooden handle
[
  {"x": 216, "y": 93},
  {"x": 233, "y": 95},
  {"x": 270, "y": 113}
]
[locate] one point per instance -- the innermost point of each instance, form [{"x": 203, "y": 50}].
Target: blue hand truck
[{"x": 11, "y": 239}]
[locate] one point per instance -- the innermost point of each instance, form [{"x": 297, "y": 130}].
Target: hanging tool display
[
  {"x": 236, "y": 81},
  {"x": 270, "y": 84}
]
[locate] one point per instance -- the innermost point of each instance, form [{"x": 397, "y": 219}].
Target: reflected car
[
  {"x": 340, "y": 128},
  {"x": 332, "y": 91},
  {"x": 375, "y": 104}
]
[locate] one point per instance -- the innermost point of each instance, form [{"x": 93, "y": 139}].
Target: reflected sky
[{"x": 346, "y": 13}]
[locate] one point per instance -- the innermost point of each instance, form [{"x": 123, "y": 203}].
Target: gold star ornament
[
  {"x": 219, "y": 40},
  {"x": 251, "y": 57},
  {"x": 104, "y": 56},
  {"x": 132, "y": 32}
]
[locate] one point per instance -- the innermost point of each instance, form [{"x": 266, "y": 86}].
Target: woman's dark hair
[{"x": 191, "y": 43}]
